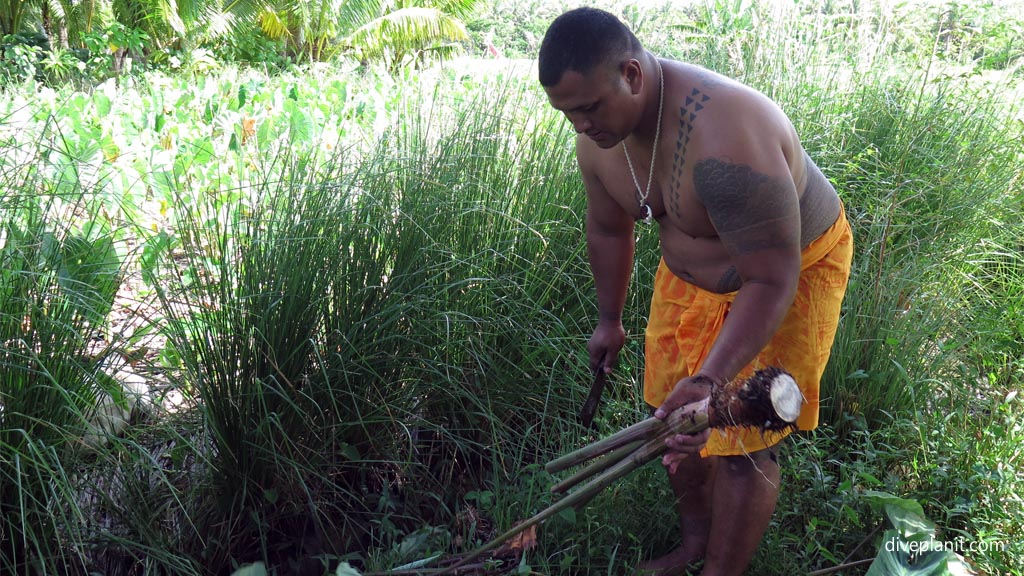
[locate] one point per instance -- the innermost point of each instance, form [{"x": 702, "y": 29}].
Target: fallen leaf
[
  {"x": 518, "y": 544},
  {"x": 525, "y": 540},
  {"x": 248, "y": 129}
]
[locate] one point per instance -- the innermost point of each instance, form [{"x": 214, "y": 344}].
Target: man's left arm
[
  {"x": 756, "y": 212},
  {"x": 753, "y": 204}
]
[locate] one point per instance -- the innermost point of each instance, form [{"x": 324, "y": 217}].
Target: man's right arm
[{"x": 610, "y": 248}]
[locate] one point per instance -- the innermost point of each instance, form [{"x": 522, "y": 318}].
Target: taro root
[{"x": 770, "y": 400}]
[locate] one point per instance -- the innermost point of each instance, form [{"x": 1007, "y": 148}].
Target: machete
[{"x": 594, "y": 398}]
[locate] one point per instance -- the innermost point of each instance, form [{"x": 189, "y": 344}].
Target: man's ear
[{"x": 633, "y": 73}]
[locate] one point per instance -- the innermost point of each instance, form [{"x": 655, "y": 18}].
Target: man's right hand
[
  {"x": 688, "y": 390},
  {"x": 604, "y": 346}
]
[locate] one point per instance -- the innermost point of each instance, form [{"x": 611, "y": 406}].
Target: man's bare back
[{"x": 704, "y": 115}]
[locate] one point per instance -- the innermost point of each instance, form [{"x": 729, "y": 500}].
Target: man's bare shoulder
[
  {"x": 590, "y": 156},
  {"x": 728, "y": 103},
  {"x": 602, "y": 168}
]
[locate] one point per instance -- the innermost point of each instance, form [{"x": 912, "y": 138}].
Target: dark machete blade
[{"x": 594, "y": 398}]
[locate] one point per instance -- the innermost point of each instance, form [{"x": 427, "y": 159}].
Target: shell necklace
[{"x": 641, "y": 193}]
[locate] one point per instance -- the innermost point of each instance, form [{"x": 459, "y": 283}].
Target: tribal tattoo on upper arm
[
  {"x": 750, "y": 211},
  {"x": 693, "y": 104}
]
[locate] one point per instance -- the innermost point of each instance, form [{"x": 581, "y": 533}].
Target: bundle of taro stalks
[{"x": 769, "y": 400}]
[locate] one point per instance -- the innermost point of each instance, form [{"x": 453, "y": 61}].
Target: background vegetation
[{"x": 277, "y": 293}]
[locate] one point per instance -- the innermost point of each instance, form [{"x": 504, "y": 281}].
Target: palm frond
[
  {"x": 353, "y": 14},
  {"x": 221, "y": 18},
  {"x": 169, "y": 14},
  {"x": 57, "y": 8},
  {"x": 461, "y": 9},
  {"x": 220, "y": 23},
  {"x": 244, "y": 11},
  {"x": 404, "y": 31},
  {"x": 273, "y": 25}
]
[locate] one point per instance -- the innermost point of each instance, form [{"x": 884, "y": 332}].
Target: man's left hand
[{"x": 687, "y": 391}]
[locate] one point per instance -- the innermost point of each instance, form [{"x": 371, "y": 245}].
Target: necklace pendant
[{"x": 648, "y": 214}]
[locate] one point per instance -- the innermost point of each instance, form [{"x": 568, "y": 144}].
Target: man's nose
[{"x": 580, "y": 122}]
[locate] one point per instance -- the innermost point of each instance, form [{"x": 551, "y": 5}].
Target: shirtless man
[{"x": 755, "y": 258}]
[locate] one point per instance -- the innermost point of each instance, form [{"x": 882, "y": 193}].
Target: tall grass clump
[
  {"x": 923, "y": 171},
  {"x": 245, "y": 307},
  {"x": 369, "y": 338},
  {"x": 57, "y": 285}
]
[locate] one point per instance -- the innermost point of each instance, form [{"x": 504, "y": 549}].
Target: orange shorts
[{"x": 685, "y": 321}]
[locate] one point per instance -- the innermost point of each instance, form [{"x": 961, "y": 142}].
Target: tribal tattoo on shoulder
[
  {"x": 693, "y": 104},
  {"x": 751, "y": 211}
]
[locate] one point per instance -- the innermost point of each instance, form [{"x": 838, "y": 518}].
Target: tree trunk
[{"x": 47, "y": 23}]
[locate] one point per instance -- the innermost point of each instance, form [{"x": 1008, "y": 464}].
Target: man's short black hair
[{"x": 582, "y": 39}]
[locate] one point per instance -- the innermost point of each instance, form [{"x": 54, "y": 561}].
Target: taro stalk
[{"x": 770, "y": 400}]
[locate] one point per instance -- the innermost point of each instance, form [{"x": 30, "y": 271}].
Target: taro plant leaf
[
  {"x": 102, "y": 103},
  {"x": 156, "y": 248},
  {"x": 204, "y": 151},
  {"x": 88, "y": 274},
  {"x": 418, "y": 541},
  {"x": 265, "y": 134},
  {"x": 300, "y": 122},
  {"x": 906, "y": 515},
  {"x": 911, "y": 549}
]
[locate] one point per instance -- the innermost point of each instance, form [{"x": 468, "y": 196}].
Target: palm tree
[
  {"x": 73, "y": 19},
  {"x": 14, "y": 15},
  {"x": 188, "y": 22},
  {"x": 390, "y": 30},
  {"x": 410, "y": 31},
  {"x": 394, "y": 31}
]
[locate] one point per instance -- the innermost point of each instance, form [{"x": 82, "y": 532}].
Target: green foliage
[
  {"x": 987, "y": 34},
  {"x": 375, "y": 299},
  {"x": 397, "y": 33},
  {"x": 12, "y": 16},
  {"x": 294, "y": 303},
  {"x": 118, "y": 32},
  {"x": 410, "y": 34},
  {"x": 531, "y": 17},
  {"x": 911, "y": 224},
  {"x": 112, "y": 49},
  {"x": 20, "y": 56}
]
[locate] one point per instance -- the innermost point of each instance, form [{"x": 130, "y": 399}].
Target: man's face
[{"x": 598, "y": 104}]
